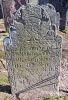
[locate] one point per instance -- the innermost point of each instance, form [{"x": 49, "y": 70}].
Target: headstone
[{"x": 33, "y": 51}]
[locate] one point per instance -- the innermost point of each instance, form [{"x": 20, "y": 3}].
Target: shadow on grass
[{"x": 5, "y": 88}]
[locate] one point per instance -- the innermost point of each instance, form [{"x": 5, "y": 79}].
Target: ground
[{"x": 5, "y": 91}]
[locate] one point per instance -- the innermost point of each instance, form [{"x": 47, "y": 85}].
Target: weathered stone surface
[
  {"x": 54, "y": 17},
  {"x": 33, "y": 51}
]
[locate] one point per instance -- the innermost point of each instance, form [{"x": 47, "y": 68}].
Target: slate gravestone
[{"x": 33, "y": 51}]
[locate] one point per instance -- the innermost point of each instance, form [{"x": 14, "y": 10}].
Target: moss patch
[
  {"x": 2, "y": 54},
  {"x": 3, "y": 79}
]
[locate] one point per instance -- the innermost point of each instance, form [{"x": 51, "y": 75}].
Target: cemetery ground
[{"x": 5, "y": 91}]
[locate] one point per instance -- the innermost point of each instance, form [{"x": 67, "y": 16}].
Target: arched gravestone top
[
  {"x": 11, "y": 6},
  {"x": 34, "y": 19},
  {"x": 33, "y": 51}
]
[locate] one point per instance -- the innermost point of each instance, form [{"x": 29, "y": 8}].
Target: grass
[
  {"x": 66, "y": 98},
  {"x": 3, "y": 79},
  {"x": 64, "y": 31},
  {"x": 56, "y": 98},
  {"x": 47, "y": 98},
  {"x": 2, "y": 54}
]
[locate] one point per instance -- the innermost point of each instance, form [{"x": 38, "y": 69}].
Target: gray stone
[
  {"x": 54, "y": 17},
  {"x": 33, "y": 51}
]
